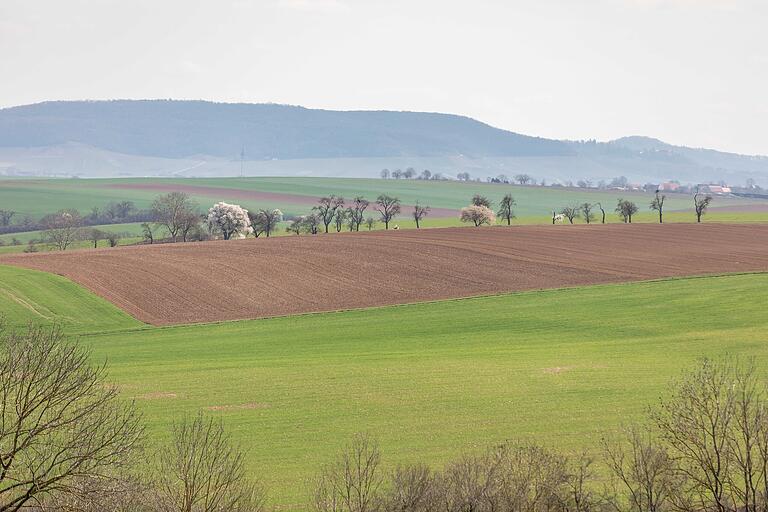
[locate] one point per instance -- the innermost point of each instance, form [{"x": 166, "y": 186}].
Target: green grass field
[
  {"x": 534, "y": 204},
  {"x": 28, "y": 296},
  {"x": 428, "y": 380}
]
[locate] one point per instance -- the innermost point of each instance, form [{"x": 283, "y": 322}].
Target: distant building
[
  {"x": 669, "y": 186},
  {"x": 719, "y": 189}
]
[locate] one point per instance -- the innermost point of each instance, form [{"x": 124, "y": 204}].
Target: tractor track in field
[{"x": 215, "y": 281}]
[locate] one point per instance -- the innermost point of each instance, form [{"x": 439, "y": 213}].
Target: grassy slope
[
  {"x": 428, "y": 380},
  {"x": 38, "y": 297},
  {"x": 36, "y": 197}
]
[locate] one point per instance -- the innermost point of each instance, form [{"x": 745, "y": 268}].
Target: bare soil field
[{"x": 214, "y": 281}]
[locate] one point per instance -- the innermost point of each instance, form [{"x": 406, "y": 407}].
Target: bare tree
[
  {"x": 523, "y": 179},
  {"x": 62, "y": 228},
  {"x": 749, "y": 480},
  {"x": 412, "y": 489},
  {"x": 327, "y": 209},
  {"x": 295, "y": 226},
  {"x": 340, "y": 218},
  {"x": 469, "y": 483},
  {"x": 700, "y": 204},
  {"x": 506, "y": 208},
  {"x": 479, "y": 200},
  {"x": 586, "y": 212},
  {"x": 579, "y": 494},
  {"x": 358, "y": 207},
  {"x": 94, "y": 235},
  {"x": 172, "y": 210},
  {"x": 352, "y": 482},
  {"x": 202, "y": 471},
  {"x": 115, "y": 210},
  {"x": 6, "y": 216},
  {"x": 695, "y": 422},
  {"x": 265, "y": 221},
  {"x": 113, "y": 239},
  {"x": 419, "y": 212},
  {"x": 602, "y": 212},
  {"x": 370, "y": 223},
  {"x": 570, "y": 213},
  {"x": 189, "y": 221},
  {"x": 626, "y": 209},
  {"x": 60, "y": 423},
  {"x": 257, "y": 228},
  {"x": 384, "y": 174},
  {"x": 121, "y": 493},
  {"x": 530, "y": 477},
  {"x": 388, "y": 207},
  {"x": 311, "y": 223},
  {"x": 643, "y": 469},
  {"x": 658, "y": 205},
  {"x": 147, "y": 233}
]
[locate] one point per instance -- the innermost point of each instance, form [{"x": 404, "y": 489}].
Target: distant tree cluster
[
  {"x": 176, "y": 217},
  {"x": 411, "y": 173},
  {"x": 626, "y": 209}
]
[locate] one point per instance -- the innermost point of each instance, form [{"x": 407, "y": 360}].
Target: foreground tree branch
[
  {"x": 202, "y": 471},
  {"x": 60, "y": 424}
]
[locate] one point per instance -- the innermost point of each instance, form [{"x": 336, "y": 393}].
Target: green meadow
[
  {"x": 427, "y": 380},
  {"x": 534, "y": 204}
]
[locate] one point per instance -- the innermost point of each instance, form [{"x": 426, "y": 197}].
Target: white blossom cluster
[
  {"x": 479, "y": 215},
  {"x": 229, "y": 220}
]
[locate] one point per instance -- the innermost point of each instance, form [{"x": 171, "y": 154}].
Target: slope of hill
[
  {"x": 198, "y": 138},
  {"x": 178, "y": 129}
]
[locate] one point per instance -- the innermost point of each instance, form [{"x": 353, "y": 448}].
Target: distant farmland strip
[
  {"x": 214, "y": 281},
  {"x": 294, "y": 200}
]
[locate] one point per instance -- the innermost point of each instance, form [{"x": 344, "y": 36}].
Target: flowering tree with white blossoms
[
  {"x": 479, "y": 215},
  {"x": 229, "y": 219}
]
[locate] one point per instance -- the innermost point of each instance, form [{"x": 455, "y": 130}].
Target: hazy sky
[{"x": 691, "y": 72}]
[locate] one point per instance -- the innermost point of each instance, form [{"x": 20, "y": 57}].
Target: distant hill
[
  {"x": 180, "y": 129},
  {"x": 198, "y": 138}
]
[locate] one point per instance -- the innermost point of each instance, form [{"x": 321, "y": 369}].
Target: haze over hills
[{"x": 198, "y": 138}]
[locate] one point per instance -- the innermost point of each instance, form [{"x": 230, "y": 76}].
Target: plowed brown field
[{"x": 211, "y": 281}]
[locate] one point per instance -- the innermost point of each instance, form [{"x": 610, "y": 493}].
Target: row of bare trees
[
  {"x": 333, "y": 212},
  {"x": 627, "y": 209},
  {"x": 705, "y": 448}
]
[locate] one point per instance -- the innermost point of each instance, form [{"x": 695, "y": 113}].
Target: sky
[{"x": 690, "y": 72}]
